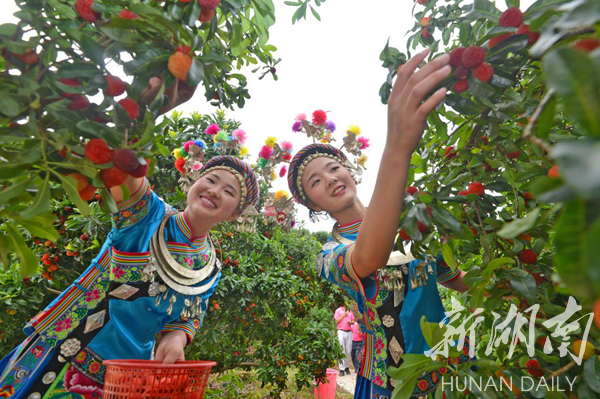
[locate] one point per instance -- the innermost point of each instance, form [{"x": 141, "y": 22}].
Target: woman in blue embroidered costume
[
  {"x": 393, "y": 291},
  {"x": 154, "y": 275}
]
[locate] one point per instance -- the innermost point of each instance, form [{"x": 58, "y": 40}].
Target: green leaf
[
  {"x": 449, "y": 256},
  {"x": 69, "y": 184},
  {"x": 546, "y": 120},
  {"x": 518, "y": 226},
  {"x": 445, "y": 218},
  {"x": 578, "y": 165},
  {"x": 512, "y": 44},
  {"x": 15, "y": 189},
  {"x": 494, "y": 265},
  {"x": 92, "y": 49},
  {"x": 9, "y": 170},
  {"x": 41, "y": 202},
  {"x": 483, "y": 9},
  {"x": 315, "y": 13},
  {"x": 196, "y": 73},
  {"x": 575, "y": 79},
  {"x": 108, "y": 203},
  {"x": 591, "y": 373},
  {"x": 9, "y": 106},
  {"x": 5, "y": 248},
  {"x": 523, "y": 283},
  {"x": 39, "y": 228},
  {"x": 100, "y": 130},
  {"x": 575, "y": 245},
  {"x": 29, "y": 262},
  {"x": 8, "y": 29}
]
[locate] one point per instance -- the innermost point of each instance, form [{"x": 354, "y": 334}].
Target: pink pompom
[
  {"x": 363, "y": 143},
  {"x": 197, "y": 166},
  {"x": 265, "y": 152},
  {"x": 300, "y": 117},
  {"x": 283, "y": 171},
  {"x": 213, "y": 129},
  {"x": 287, "y": 146},
  {"x": 239, "y": 135},
  {"x": 187, "y": 145}
]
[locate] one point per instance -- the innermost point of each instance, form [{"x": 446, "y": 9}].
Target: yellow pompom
[
  {"x": 177, "y": 153},
  {"x": 354, "y": 129},
  {"x": 281, "y": 193},
  {"x": 273, "y": 176},
  {"x": 243, "y": 151},
  {"x": 361, "y": 161},
  {"x": 270, "y": 141}
]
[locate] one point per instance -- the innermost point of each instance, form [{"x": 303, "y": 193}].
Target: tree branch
[{"x": 528, "y": 132}]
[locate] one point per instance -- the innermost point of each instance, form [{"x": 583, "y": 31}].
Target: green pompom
[
  {"x": 222, "y": 136},
  {"x": 183, "y": 152},
  {"x": 262, "y": 162}
]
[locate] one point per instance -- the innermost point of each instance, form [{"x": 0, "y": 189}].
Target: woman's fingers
[
  {"x": 432, "y": 102},
  {"x": 421, "y": 89},
  {"x": 407, "y": 72},
  {"x": 429, "y": 72}
]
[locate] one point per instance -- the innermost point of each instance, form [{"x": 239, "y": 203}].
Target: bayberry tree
[
  {"x": 70, "y": 126},
  {"x": 505, "y": 183}
]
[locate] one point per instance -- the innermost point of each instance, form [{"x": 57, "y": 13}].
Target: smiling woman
[{"x": 154, "y": 275}]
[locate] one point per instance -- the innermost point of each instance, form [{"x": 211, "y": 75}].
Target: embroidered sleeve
[
  {"x": 444, "y": 272},
  {"x": 334, "y": 263},
  {"x": 190, "y": 326},
  {"x": 135, "y": 208}
]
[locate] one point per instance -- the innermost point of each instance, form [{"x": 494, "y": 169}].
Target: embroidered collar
[
  {"x": 186, "y": 229},
  {"x": 349, "y": 228}
]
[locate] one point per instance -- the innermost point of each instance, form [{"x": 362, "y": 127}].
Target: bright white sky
[{"x": 331, "y": 65}]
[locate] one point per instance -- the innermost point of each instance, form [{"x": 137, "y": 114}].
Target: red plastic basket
[{"x": 149, "y": 379}]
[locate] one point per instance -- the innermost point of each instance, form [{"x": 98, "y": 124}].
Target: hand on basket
[{"x": 171, "y": 347}]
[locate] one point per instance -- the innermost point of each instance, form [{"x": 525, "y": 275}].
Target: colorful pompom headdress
[
  {"x": 280, "y": 210},
  {"x": 272, "y": 154},
  {"x": 320, "y": 129}
]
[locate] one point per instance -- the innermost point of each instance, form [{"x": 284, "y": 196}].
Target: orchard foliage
[
  {"x": 58, "y": 89},
  {"x": 504, "y": 181}
]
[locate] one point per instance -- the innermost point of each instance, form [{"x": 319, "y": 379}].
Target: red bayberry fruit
[
  {"x": 450, "y": 153},
  {"x": 554, "y": 172},
  {"x": 404, "y": 235},
  {"x": 79, "y": 102},
  {"x": 528, "y": 196},
  {"x": 115, "y": 86},
  {"x": 83, "y": 237},
  {"x": 126, "y": 14},
  {"x": 473, "y": 57},
  {"x": 84, "y": 9},
  {"x": 512, "y": 17},
  {"x": 423, "y": 2},
  {"x": 461, "y": 86},
  {"x": 82, "y": 181},
  {"x": 97, "y": 151},
  {"x": 425, "y": 33},
  {"x": 113, "y": 177},
  {"x": 206, "y": 14},
  {"x": 319, "y": 117},
  {"x": 425, "y": 21},
  {"x": 587, "y": 45},
  {"x": 69, "y": 82},
  {"x": 87, "y": 193},
  {"x": 422, "y": 228},
  {"x": 497, "y": 39},
  {"x": 484, "y": 72},
  {"x": 476, "y": 188},
  {"x": 533, "y": 368},
  {"x": 179, "y": 64},
  {"x": 212, "y": 4},
  {"x": 412, "y": 190},
  {"x": 125, "y": 159},
  {"x": 141, "y": 170},
  {"x": 528, "y": 256},
  {"x": 132, "y": 108},
  {"x": 461, "y": 73},
  {"x": 456, "y": 57},
  {"x": 463, "y": 192},
  {"x": 513, "y": 155},
  {"x": 524, "y": 30}
]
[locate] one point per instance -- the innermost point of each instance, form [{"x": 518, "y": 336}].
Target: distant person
[
  {"x": 357, "y": 344},
  {"x": 344, "y": 319}
]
